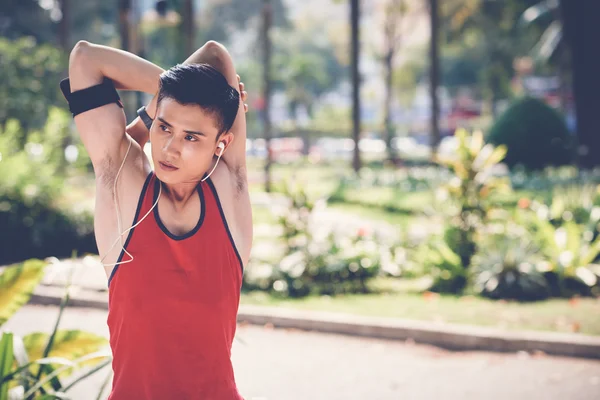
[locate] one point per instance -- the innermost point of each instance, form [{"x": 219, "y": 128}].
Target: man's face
[{"x": 184, "y": 141}]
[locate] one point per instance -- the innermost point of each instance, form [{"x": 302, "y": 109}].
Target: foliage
[
  {"x": 224, "y": 17},
  {"x": 570, "y": 251},
  {"x": 507, "y": 266},
  {"x": 36, "y": 364},
  {"x": 442, "y": 264},
  {"x": 536, "y": 135},
  {"x": 487, "y": 34},
  {"x": 317, "y": 261},
  {"x": 29, "y": 85},
  {"x": 31, "y": 177},
  {"x": 17, "y": 284},
  {"x": 470, "y": 191},
  {"x": 88, "y": 20}
]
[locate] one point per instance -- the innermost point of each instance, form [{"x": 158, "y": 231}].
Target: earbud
[{"x": 221, "y": 146}]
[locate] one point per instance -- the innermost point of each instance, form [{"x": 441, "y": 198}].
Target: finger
[
  {"x": 242, "y": 86},
  {"x": 238, "y": 78},
  {"x": 245, "y": 107},
  {"x": 244, "y": 95}
]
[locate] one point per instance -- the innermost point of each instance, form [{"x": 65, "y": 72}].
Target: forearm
[
  {"x": 217, "y": 56},
  {"x": 126, "y": 70}
]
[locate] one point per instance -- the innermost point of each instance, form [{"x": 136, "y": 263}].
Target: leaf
[
  {"x": 101, "y": 355},
  {"x": 54, "y": 396},
  {"x": 21, "y": 358},
  {"x": 460, "y": 170},
  {"x": 68, "y": 344},
  {"x": 573, "y": 239},
  {"x": 17, "y": 284},
  {"x": 592, "y": 253},
  {"x": 476, "y": 143},
  {"x": 586, "y": 276},
  {"x": 497, "y": 155},
  {"x": 536, "y": 11},
  {"x": 6, "y": 361}
]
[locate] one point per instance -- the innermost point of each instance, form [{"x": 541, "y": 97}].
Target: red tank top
[{"x": 172, "y": 310}]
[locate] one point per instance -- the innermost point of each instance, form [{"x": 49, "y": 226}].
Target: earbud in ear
[{"x": 221, "y": 146}]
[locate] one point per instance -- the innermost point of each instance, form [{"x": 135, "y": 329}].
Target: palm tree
[
  {"x": 355, "y": 49},
  {"x": 63, "y": 29},
  {"x": 434, "y": 73},
  {"x": 580, "y": 24},
  {"x": 551, "y": 43},
  {"x": 392, "y": 31},
  {"x": 266, "y": 45}
]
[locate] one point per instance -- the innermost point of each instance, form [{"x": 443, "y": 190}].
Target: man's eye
[
  {"x": 190, "y": 138},
  {"x": 164, "y": 128}
]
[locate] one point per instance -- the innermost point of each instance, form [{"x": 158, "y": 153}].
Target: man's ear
[{"x": 226, "y": 139}]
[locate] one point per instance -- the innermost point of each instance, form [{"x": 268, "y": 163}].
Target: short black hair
[{"x": 202, "y": 85}]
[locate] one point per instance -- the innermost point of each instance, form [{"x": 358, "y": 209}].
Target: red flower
[{"x": 524, "y": 203}]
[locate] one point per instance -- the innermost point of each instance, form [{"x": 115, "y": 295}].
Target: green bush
[
  {"x": 536, "y": 135},
  {"x": 31, "y": 177},
  {"x": 29, "y": 84},
  {"x": 315, "y": 263},
  {"x": 507, "y": 266},
  {"x": 33, "y": 228}
]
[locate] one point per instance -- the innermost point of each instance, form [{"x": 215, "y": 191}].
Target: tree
[
  {"x": 580, "y": 22},
  {"x": 29, "y": 84},
  {"x": 434, "y": 73},
  {"x": 355, "y": 68},
  {"x": 551, "y": 45},
  {"x": 266, "y": 45},
  {"x": 395, "y": 11},
  {"x": 225, "y": 16},
  {"x": 491, "y": 25}
]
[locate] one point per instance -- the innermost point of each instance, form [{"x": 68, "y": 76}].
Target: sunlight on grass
[{"x": 555, "y": 315}]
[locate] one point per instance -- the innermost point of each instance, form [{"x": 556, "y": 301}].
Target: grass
[{"x": 556, "y": 315}]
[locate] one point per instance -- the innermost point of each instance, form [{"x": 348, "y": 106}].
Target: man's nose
[{"x": 172, "y": 146}]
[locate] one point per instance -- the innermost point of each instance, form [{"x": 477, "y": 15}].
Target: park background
[{"x": 421, "y": 161}]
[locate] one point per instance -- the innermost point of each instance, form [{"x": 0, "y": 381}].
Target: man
[{"x": 185, "y": 225}]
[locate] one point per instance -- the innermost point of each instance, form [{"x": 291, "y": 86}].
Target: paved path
[{"x": 273, "y": 364}]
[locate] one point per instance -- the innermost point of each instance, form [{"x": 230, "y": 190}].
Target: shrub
[
  {"x": 470, "y": 191},
  {"x": 30, "y": 179},
  {"x": 507, "y": 266},
  {"x": 315, "y": 261},
  {"x": 536, "y": 135}
]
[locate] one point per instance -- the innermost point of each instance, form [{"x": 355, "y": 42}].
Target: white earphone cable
[{"x": 116, "y": 204}]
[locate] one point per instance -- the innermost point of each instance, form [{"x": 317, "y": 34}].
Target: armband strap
[
  {"x": 89, "y": 98},
  {"x": 143, "y": 114}
]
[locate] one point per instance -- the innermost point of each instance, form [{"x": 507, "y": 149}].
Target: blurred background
[{"x": 420, "y": 160}]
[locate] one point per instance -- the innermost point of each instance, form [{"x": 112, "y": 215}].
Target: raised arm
[
  {"x": 102, "y": 129},
  {"x": 234, "y": 157}
]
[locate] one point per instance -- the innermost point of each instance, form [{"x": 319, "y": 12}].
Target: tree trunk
[
  {"x": 126, "y": 44},
  {"x": 64, "y": 27},
  {"x": 434, "y": 77},
  {"x": 387, "y": 108},
  {"x": 266, "y": 45},
  {"x": 581, "y": 28},
  {"x": 188, "y": 28},
  {"x": 355, "y": 49},
  {"x": 124, "y": 12}
]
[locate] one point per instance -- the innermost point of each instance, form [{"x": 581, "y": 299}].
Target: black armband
[
  {"x": 145, "y": 117},
  {"x": 89, "y": 98}
]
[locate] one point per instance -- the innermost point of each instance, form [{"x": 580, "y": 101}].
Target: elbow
[
  {"x": 215, "y": 51},
  {"x": 80, "y": 54}
]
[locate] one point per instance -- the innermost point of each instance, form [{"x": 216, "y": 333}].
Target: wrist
[{"x": 145, "y": 117}]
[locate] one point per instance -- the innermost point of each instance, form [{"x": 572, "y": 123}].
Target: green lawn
[{"x": 555, "y": 315}]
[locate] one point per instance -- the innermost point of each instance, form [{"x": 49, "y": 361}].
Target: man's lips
[{"x": 167, "y": 166}]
